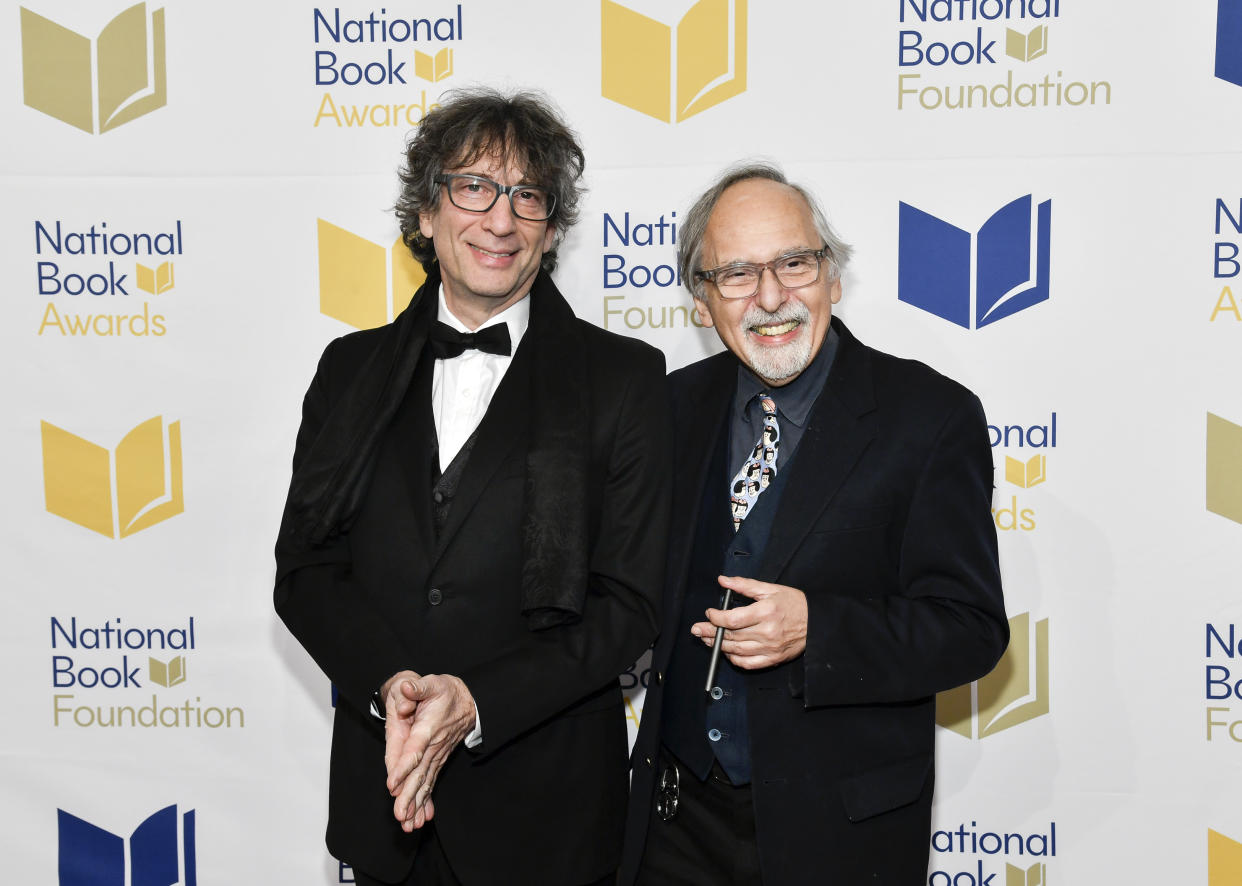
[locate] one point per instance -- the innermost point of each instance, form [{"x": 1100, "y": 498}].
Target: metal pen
[{"x": 711, "y": 668}]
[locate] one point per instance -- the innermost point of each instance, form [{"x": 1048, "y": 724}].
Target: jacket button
[
  {"x": 437, "y": 497},
  {"x": 659, "y": 677},
  {"x": 647, "y": 760},
  {"x": 434, "y": 596},
  {"x": 714, "y": 734}
]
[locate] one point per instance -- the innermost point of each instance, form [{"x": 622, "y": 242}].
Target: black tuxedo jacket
[
  {"x": 542, "y": 800},
  {"x": 885, "y": 524}
]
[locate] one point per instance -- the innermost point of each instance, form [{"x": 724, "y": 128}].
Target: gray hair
[
  {"x": 523, "y": 128},
  {"x": 694, "y": 225}
]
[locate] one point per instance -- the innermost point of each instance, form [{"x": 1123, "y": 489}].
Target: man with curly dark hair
[{"x": 473, "y": 541}]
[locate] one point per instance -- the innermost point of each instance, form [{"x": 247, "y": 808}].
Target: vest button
[
  {"x": 713, "y": 734},
  {"x": 717, "y": 693},
  {"x": 659, "y": 677},
  {"x": 435, "y": 596},
  {"x": 437, "y": 497}
]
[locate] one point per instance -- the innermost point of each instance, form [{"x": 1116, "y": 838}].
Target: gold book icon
[
  {"x": 155, "y": 280},
  {"x": 1224, "y": 860},
  {"x": 672, "y": 69},
  {"x": 128, "y": 78},
  {"x": 1015, "y": 692},
  {"x": 1026, "y": 474},
  {"x": 1224, "y": 468},
  {"x": 1026, "y": 47},
  {"x": 433, "y": 67},
  {"x": 1035, "y": 875},
  {"x": 115, "y": 493},
  {"x": 354, "y": 285},
  {"x": 169, "y": 673}
]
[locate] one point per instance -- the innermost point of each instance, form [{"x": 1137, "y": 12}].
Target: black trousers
[
  {"x": 431, "y": 867},
  {"x": 711, "y": 839}
]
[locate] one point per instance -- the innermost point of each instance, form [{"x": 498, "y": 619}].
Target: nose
[
  {"x": 770, "y": 295},
  {"x": 500, "y": 219}
]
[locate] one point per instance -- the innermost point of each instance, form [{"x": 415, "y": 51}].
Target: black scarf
[{"x": 328, "y": 487}]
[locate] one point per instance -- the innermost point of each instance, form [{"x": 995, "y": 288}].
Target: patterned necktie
[
  {"x": 760, "y": 468},
  {"x": 747, "y": 485}
]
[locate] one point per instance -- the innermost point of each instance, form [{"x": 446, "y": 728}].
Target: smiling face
[
  {"x": 776, "y": 332},
  {"x": 488, "y": 260}
]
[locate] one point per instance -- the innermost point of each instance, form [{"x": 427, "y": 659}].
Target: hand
[
  {"x": 768, "y": 632},
  {"x": 399, "y": 706},
  {"x": 442, "y": 713}
]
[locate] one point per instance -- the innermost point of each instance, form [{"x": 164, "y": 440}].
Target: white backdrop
[{"x": 1099, "y": 762}]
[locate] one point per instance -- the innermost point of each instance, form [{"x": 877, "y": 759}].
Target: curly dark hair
[{"x": 472, "y": 123}]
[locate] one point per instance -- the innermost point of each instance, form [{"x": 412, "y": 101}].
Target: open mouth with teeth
[{"x": 776, "y": 329}]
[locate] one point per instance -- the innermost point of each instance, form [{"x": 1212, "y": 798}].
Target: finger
[
  {"x": 402, "y": 807},
  {"x": 751, "y": 662},
  {"x": 398, "y": 759},
  {"x": 747, "y": 587},
  {"x": 734, "y": 619}
]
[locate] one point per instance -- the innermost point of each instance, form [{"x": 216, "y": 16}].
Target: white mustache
[{"x": 790, "y": 310}]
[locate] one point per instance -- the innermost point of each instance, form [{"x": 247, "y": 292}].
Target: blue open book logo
[
  {"x": 1229, "y": 41},
  {"x": 91, "y": 856},
  {"x": 974, "y": 281}
]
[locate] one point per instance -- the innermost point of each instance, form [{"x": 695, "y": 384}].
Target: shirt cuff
[{"x": 475, "y": 738}]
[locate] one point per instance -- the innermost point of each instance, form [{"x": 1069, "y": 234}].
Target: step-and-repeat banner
[{"x": 1046, "y": 204}]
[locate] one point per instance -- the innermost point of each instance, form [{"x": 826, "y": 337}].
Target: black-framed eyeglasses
[
  {"x": 741, "y": 279},
  {"x": 474, "y": 193}
]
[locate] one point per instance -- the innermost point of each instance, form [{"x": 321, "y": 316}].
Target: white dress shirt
[{"x": 462, "y": 388}]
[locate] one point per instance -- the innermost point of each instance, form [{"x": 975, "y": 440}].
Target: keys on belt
[{"x": 668, "y": 793}]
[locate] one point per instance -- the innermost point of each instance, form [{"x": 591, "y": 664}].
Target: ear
[
  {"x": 426, "y": 223},
  {"x": 834, "y": 291},
  {"x": 549, "y": 237},
  {"x": 705, "y": 317}
]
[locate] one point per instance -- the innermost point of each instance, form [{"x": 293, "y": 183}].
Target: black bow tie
[{"x": 447, "y": 342}]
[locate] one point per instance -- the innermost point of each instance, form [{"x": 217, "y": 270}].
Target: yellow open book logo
[
  {"x": 1014, "y": 692},
  {"x": 673, "y": 68},
  {"x": 433, "y": 67},
  {"x": 1035, "y": 875},
  {"x": 115, "y": 493},
  {"x": 126, "y": 80},
  {"x": 1026, "y": 473},
  {"x": 354, "y": 285},
  {"x": 167, "y": 673},
  {"x": 155, "y": 280},
  {"x": 1026, "y": 47},
  {"x": 1224, "y": 468},
  {"x": 1224, "y": 860}
]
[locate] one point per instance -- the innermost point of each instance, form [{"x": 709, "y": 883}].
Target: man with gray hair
[
  {"x": 787, "y": 732},
  {"x": 474, "y": 535}
]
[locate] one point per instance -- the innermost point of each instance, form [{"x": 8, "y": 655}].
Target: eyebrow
[{"x": 784, "y": 252}]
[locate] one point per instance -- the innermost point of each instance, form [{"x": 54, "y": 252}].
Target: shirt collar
[
  {"x": 517, "y": 316},
  {"x": 794, "y": 400}
]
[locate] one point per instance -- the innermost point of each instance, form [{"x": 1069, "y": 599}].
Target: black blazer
[
  {"x": 885, "y": 524},
  {"x": 542, "y": 800}
]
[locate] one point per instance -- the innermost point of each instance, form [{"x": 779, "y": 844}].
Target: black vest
[{"x": 696, "y": 726}]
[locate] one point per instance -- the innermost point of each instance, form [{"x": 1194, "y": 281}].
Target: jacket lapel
[
  {"x": 839, "y": 430},
  {"x": 504, "y": 426},
  {"x": 414, "y": 434},
  {"x": 701, "y": 425}
]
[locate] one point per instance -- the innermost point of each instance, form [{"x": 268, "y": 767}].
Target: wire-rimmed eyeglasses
[{"x": 474, "y": 193}]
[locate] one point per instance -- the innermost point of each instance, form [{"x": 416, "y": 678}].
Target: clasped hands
[
  {"x": 769, "y": 631},
  {"x": 426, "y": 717}
]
